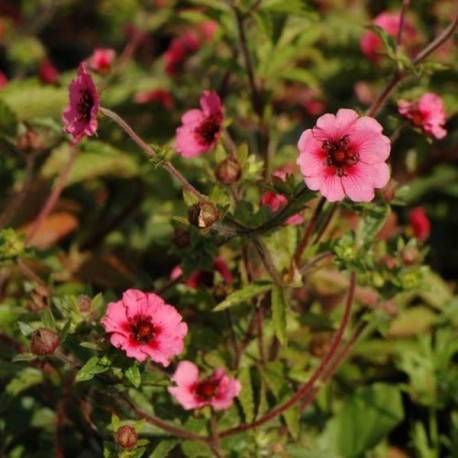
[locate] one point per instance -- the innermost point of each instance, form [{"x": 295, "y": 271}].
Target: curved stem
[
  {"x": 53, "y": 197},
  {"x": 310, "y": 385},
  {"x": 398, "y": 76},
  {"x": 150, "y": 152},
  {"x": 160, "y": 423}
]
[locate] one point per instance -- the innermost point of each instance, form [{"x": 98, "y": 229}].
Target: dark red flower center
[
  {"x": 206, "y": 389},
  {"x": 85, "y": 104},
  {"x": 143, "y": 330},
  {"x": 340, "y": 154},
  {"x": 208, "y": 130}
]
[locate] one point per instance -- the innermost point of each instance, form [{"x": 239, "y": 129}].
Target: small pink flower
[
  {"x": 218, "y": 390},
  {"x": 200, "y": 129},
  {"x": 161, "y": 96},
  {"x": 428, "y": 113},
  {"x": 80, "y": 116},
  {"x": 419, "y": 222},
  {"x": 276, "y": 201},
  {"x": 144, "y": 326},
  {"x": 208, "y": 29},
  {"x": 201, "y": 278},
  {"x": 47, "y": 72},
  {"x": 179, "y": 50},
  {"x": 344, "y": 155},
  {"x": 101, "y": 60},
  {"x": 372, "y": 45}
]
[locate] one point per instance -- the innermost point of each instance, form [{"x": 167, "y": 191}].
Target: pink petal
[
  {"x": 371, "y": 145},
  {"x": 360, "y": 182},
  {"x": 186, "y": 374},
  {"x": 333, "y": 127},
  {"x": 329, "y": 185},
  {"x": 210, "y": 103}
]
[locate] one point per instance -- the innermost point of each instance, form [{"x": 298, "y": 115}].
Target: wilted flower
[
  {"x": 344, "y": 155},
  {"x": 101, "y": 60},
  {"x": 371, "y": 44},
  {"x": 44, "y": 341},
  {"x": 200, "y": 129},
  {"x": 218, "y": 390},
  {"x": 144, "y": 326},
  {"x": 428, "y": 113},
  {"x": 419, "y": 222},
  {"x": 80, "y": 116}
]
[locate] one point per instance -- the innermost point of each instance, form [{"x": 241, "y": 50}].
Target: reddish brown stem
[
  {"x": 310, "y": 385},
  {"x": 309, "y": 231}
]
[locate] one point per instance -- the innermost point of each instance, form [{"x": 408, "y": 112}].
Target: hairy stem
[{"x": 150, "y": 152}]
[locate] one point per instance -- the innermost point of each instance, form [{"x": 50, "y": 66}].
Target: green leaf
[
  {"x": 249, "y": 291},
  {"x": 133, "y": 375},
  {"x": 246, "y": 396},
  {"x": 164, "y": 448},
  {"x": 24, "y": 357},
  {"x": 292, "y": 419},
  {"x": 282, "y": 6},
  {"x": 279, "y": 314},
  {"x": 372, "y": 221},
  {"x": 25, "y": 379},
  {"x": 364, "y": 420},
  {"x": 8, "y": 120},
  {"x": 24, "y": 328},
  {"x": 48, "y": 319},
  {"x": 93, "y": 366}
]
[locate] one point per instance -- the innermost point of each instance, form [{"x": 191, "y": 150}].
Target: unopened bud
[
  {"x": 126, "y": 437},
  {"x": 228, "y": 171},
  {"x": 410, "y": 255},
  {"x": 203, "y": 215},
  {"x": 181, "y": 238},
  {"x": 84, "y": 303},
  {"x": 44, "y": 342}
]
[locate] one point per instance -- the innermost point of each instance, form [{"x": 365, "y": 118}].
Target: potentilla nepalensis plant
[{"x": 288, "y": 237}]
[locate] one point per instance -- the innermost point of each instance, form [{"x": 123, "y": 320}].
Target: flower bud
[
  {"x": 84, "y": 303},
  {"x": 203, "y": 215},
  {"x": 126, "y": 437},
  {"x": 410, "y": 255},
  {"x": 44, "y": 342},
  {"x": 181, "y": 238},
  {"x": 228, "y": 171}
]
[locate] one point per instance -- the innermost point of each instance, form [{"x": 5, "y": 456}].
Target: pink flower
[
  {"x": 101, "y": 60},
  {"x": 179, "y": 50},
  {"x": 372, "y": 45},
  {"x": 80, "y": 116},
  {"x": 344, "y": 155},
  {"x": 47, "y": 72},
  {"x": 276, "y": 201},
  {"x": 428, "y": 113},
  {"x": 161, "y": 96},
  {"x": 201, "y": 278},
  {"x": 419, "y": 222},
  {"x": 200, "y": 129},
  {"x": 144, "y": 326},
  {"x": 208, "y": 29},
  {"x": 218, "y": 390}
]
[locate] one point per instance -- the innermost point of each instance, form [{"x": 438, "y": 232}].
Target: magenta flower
[
  {"x": 80, "y": 116},
  {"x": 179, "y": 50},
  {"x": 344, "y": 155},
  {"x": 160, "y": 96},
  {"x": 218, "y": 390},
  {"x": 144, "y": 326},
  {"x": 372, "y": 45},
  {"x": 201, "y": 278},
  {"x": 200, "y": 129},
  {"x": 101, "y": 60},
  {"x": 419, "y": 222},
  {"x": 47, "y": 72},
  {"x": 428, "y": 113}
]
